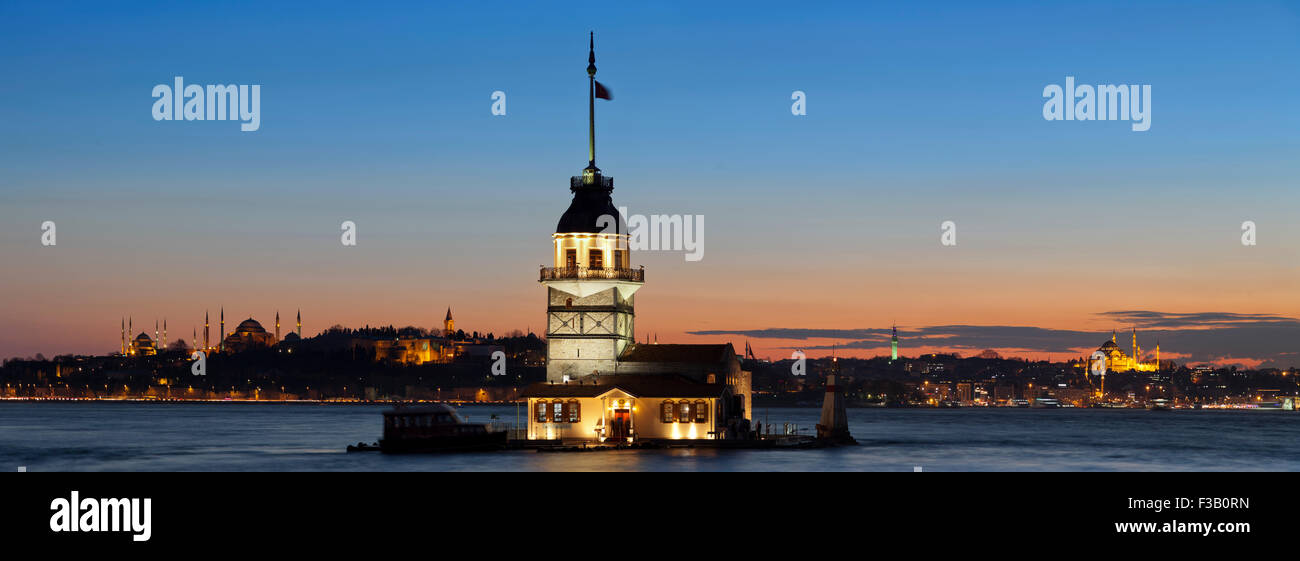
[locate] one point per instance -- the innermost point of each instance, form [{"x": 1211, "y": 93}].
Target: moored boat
[
  {"x": 1045, "y": 403},
  {"x": 435, "y": 428}
]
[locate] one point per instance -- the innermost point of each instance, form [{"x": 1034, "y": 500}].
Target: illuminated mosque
[
  {"x": 1119, "y": 361},
  {"x": 248, "y": 335},
  {"x": 142, "y": 344}
]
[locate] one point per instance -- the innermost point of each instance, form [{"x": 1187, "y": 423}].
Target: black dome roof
[{"x": 591, "y": 200}]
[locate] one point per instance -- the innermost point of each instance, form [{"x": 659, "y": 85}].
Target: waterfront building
[
  {"x": 965, "y": 393},
  {"x": 600, "y": 384}
]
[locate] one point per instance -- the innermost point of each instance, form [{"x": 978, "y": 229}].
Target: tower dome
[{"x": 590, "y": 202}]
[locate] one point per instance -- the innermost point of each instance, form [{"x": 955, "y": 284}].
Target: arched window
[
  {"x": 711, "y": 378},
  {"x": 701, "y": 412},
  {"x": 558, "y": 409},
  {"x": 667, "y": 412},
  {"x": 541, "y": 411},
  {"x": 684, "y": 412},
  {"x": 575, "y": 411}
]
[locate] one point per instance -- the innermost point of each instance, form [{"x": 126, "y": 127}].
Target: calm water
[{"x": 245, "y": 437}]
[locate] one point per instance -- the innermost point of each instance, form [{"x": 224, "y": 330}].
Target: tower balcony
[
  {"x": 592, "y": 273},
  {"x": 596, "y": 180}
]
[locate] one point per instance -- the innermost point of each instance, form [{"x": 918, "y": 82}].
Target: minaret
[
  {"x": 205, "y": 332},
  {"x": 164, "y": 339},
  {"x": 300, "y": 323},
  {"x": 277, "y": 326},
  {"x": 591, "y": 285},
  {"x": 1137, "y": 356},
  {"x": 221, "y": 344},
  {"x": 194, "y": 338},
  {"x": 123, "y": 336},
  {"x": 130, "y": 328},
  {"x": 1157, "y": 355},
  {"x": 893, "y": 344}
]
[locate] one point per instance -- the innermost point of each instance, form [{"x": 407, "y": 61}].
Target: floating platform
[{"x": 804, "y": 442}]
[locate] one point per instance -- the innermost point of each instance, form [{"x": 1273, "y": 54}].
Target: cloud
[
  {"x": 1266, "y": 340},
  {"x": 1201, "y": 320}
]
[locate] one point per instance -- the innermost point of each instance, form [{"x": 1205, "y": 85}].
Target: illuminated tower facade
[
  {"x": 590, "y": 289},
  {"x": 448, "y": 325},
  {"x": 300, "y": 324},
  {"x": 893, "y": 345},
  {"x": 277, "y": 325},
  {"x": 164, "y": 337},
  {"x": 123, "y": 336}
]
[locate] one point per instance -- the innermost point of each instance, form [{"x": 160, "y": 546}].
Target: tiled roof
[
  {"x": 647, "y": 385},
  {"x": 677, "y": 353}
]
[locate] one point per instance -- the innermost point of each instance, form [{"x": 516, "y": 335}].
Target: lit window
[
  {"x": 574, "y": 411},
  {"x": 701, "y": 412},
  {"x": 558, "y": 409},
  {"x": 668, "y": 412},
  {"x": 541, "y": 411},
  {"x": 595, "y": 259},
  {"x": 684, "y": 412}
]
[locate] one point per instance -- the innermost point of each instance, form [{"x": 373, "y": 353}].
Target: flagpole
[{"x": 591, "y": 102}]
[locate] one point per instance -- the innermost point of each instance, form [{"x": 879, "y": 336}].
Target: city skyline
[
  {"x": 819, "y": 225},
  {"x": 1189, "y": 339}
]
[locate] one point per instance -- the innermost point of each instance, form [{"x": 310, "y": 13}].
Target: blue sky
[{"x": 917, "y": 112}]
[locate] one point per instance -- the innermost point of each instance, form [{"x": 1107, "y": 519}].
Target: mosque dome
[
  {"x": 143, "y": 337},
  {"x": 249, "y": 325},
  {"x": 1109, "y": 345}
]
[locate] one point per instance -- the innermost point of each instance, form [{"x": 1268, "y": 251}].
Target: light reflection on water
[{"x": 273, "y": 437}]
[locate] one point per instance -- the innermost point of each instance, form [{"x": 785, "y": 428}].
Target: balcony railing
[
  {"x": 601, "y": 273},
  {"x": 577, "y": 182}
]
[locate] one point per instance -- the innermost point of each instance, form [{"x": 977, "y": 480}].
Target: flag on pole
[{"x": 602, "y": 92}]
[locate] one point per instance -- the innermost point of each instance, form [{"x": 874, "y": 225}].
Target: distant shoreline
[
  {"x": 248, "y": 401},
  {"x": 353, "y": 402}
]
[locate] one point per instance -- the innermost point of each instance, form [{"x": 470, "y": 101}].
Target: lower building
[{"x": 633, "y": 408}]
